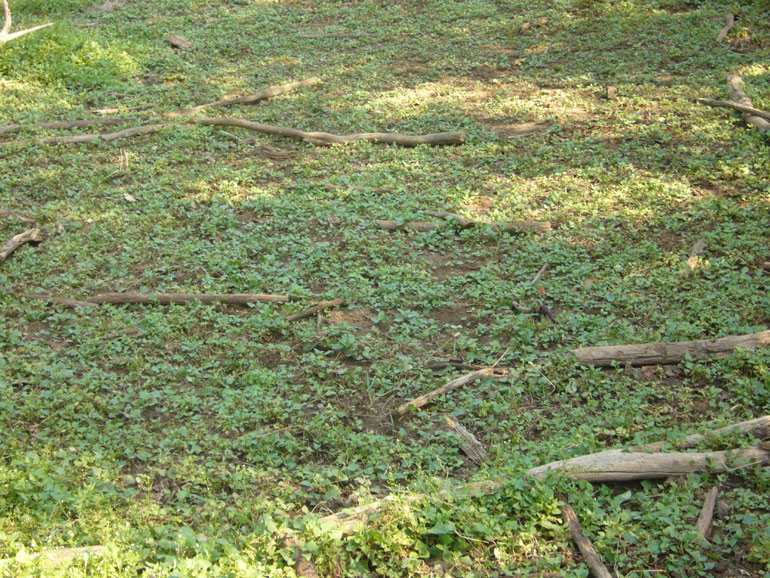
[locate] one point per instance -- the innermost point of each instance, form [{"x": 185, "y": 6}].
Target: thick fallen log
[
  {"x": 703, "y": 525},
  {"x": 666, "y": 353},
  {"x": 348, "y": 520},
  {"x": 729, "y": 23},
  {"x": 168, "y": 298},
  {"x": 619, "y": 466},
  {"x": 734, "y": 83},
  {"x": 326, "y": 139},
  {"x": 594, "y": 563},
  {"x": 759, "y": 427},
  {"x": 59, "y": 300},
  {"x": 735, "y": 106},
  {"x": 425, "y": 399},
  {"x": 246, "y": 99},
  {"x": 315, "y": 309},
  {"x": 29, "y": 236},
  {"x": 422, "y": 226}
]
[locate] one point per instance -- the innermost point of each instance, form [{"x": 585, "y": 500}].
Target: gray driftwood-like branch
[
  {"x": 29, "y": 236},
  {"x": 470, "y": 446},
  {"x": 729, "y": 23},
  {"x": 594, "y": 563},
  {"x": 5, "y": 33},
  {"x": 348, "y": 520},
  {"x": 750, "y": 110},
  {"x": 327, "y": 139},
  {"x": 666, "y": 353},
  {"x": 418, "y": 402},
  {"x": 168, "y": 298},
  {"x": 735, "y": 84},
  {"x": 703, "y": 525}
]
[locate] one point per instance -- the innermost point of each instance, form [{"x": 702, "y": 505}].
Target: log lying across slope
[{"x": 665, "y": 353}]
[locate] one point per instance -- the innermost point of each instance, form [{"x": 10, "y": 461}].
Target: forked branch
[{"x": 6, "y": 35}]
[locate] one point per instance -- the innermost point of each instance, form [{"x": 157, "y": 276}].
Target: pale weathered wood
[
  {"x": 5, "y": 33},
  {"x": 759, "y": 427},
  {"x": 29, "y": 236},
  {"x": 325, "y": 138},
  {"x": 424, "y": 399},
  {"x": 619, "y": 466},
  {"x": 664, "y": 353},
  {"x": 178, "y": 42},
  {"x": 735, "y": 106},
  {"x": 470, "y": 446},
  {"x": 87, "y": 138},
  {"x": 10, "y": 128},
  {"x": 729, "y": 23},
  {"x": 315, "y": 309},
  {"x": 167, "y": 298},
  {"x": 703, "y": 525},
  {"x": 734, "y": 83},
  {"x": 594, "y": 563}
]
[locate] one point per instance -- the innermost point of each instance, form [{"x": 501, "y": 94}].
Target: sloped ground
[{"x": 188, "y": 438}]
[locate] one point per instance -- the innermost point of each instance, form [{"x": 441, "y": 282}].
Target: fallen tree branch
[
  {"x": 87, "y": 138},
  {"x": 703, "y": 525},
  {"x": 10, "y": 128},
  {"x": 759, "y": 427},
  {"x": 665, "y": 353},
  {"x": 734, "y": 83},
  {"x": 422, "y": 226},
  {"x": 168, "y": 298},
  {"x": 315, "y": 309},
  {"x": 348, "y": 520},
  {"x": 5, "y": 32},
  {"x": 424, "y": 399},
  {"x": 59, "y": 300},
  {"x": 29, "y": 236},
  {"x": 455, "y": 363},
  {"x": 735, "y": 106},
  {"x": 247, "y": 99},
  {"x": 692, "y": 260},
  {"x": 303, "y": 567},
  {"x": 17, "y": 216},
  {"x": 325, "y": 138},
  {"x": 540, "y": 274},
  {"x": 594, "y": 563},
  {"x": 729, "y": 23},
  {"x": 470, "y": 446},
  {"x": 619, "y": 465}
]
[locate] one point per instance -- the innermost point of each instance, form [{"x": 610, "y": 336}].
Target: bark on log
[
  {"x": 422, "y": 226},
  {"x": 418, "y": 402},
  {"x": 703, "y": 525},
  {"x": 315, "y": 309},
  {"x": 734, "y": 83},
  {"x": 666, "y": 353},
  {"x": 29, "y": 236},
  {"x": 167, "y": 298},
  {"x": 470, "y": 446},
  {"x": 326, "y": 139},
  {"x": 247, "y": 99},
  {"x": 594, "y": 563},
  {"x": 59, "y": 300},
  {"x": 729, "y": 23},
  {"x": 619, "y": 466}
]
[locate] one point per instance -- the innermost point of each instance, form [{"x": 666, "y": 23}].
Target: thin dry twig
[
  {"x": 316, "y": 308},
  {"x": 750, "y": 110},
  {"x": 5, "y": 33},
  {"x": 168, "y": 298}
]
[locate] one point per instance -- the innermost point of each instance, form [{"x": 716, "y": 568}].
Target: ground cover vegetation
[{"x": 190, "y": 439}]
